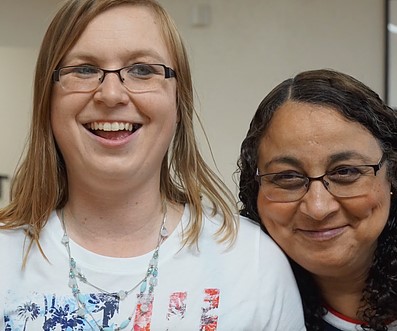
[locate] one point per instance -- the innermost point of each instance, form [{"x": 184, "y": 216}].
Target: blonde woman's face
[
  {"x": 327, "y": 235},
  {"x": 90, "y": 127}
]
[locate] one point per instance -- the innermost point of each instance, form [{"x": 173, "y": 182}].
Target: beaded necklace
[{"x": 146, "y": 284}]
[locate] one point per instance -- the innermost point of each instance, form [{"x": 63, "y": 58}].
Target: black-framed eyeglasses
[
  {"x": 342, "y": 182},
  {"x": 138, "y": 77}
]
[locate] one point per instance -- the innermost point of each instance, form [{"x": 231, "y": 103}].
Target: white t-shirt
[
  {"x": 338, "y": 322},
  {"x": 249, "y": 287}
]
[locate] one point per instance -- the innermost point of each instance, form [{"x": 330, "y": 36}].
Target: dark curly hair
[{"x": 357, "y": 103}]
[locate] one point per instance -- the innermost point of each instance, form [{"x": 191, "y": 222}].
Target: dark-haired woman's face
[{"x": 328, "y": 235}]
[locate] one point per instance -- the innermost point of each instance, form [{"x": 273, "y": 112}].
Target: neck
[
  {"x": 343, "y": 295},
  {"x": 118, "y": 219},
  {"x": 122, "y": 226}
]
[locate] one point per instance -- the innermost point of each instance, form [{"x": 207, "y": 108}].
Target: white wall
[
  {"x": 22, "y": 26},
  {"x": 16, "y": 68},
  {"x": 252, "y": 45},
  {"x": 247, "y": 48}
]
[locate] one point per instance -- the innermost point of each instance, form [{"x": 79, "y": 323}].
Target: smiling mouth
[
  {"x": 324, "y": 234},
  {"x": 112, "y": 130}
]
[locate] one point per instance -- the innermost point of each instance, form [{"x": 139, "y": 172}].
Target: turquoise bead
[
  {"x": 124, "y": 324},
  {"x": 80, "y": 297},
  {"x": 143, "y": 287}
]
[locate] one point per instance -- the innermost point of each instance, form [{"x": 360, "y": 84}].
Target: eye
[
  {"x": 142, "y": 70},
  {"x": 81, "y": 71},
  {"x": 345, "y": 174},
  {"x": 287, "y": 180}
]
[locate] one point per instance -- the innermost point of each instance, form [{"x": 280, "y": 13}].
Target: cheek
[
  {"x": 64, "y": 117},
  {"x": 376, "y": 204},
  {"x": 67, "y": 106},
  {"x": 276, "y": 217},
  {"x": 161, "y": 105},
  {"x": 171, "y": 116},
  {"x": 56, "y": 116}
]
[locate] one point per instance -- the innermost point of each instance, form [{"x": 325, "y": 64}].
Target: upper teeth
[{"x": 107, "y": 126}]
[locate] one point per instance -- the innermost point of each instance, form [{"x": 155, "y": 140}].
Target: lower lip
[
  {"x": 114, "y": 142},
  {"x": 323, "y": 235}
]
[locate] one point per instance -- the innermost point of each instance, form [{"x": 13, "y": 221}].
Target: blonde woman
[{"x": 115, "y": 221}]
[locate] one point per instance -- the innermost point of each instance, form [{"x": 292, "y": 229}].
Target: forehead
[
  {"x": 122, "y": 31},
  {"x": 307, "y": 132}
]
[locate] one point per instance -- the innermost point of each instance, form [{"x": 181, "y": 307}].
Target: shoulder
[
  {"x": 272, "y": 276},
  {"x": 12, "y": 236},
  {"x": 268, "y": 250},
  {"x": 245, "y": 227},
  {"x": 251, "y": 241},
  {"x": 12, "y": 243}
]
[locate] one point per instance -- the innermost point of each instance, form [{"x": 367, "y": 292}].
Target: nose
[
  {"x": 318, "y": 203},
  {"x": 111, "y": 91}
]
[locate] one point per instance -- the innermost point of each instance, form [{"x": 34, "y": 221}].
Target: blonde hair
[{"x": 40, "y": 183}]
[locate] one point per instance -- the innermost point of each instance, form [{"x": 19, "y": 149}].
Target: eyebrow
[
  {"x": 284, "y": 160},
  {"x": 338, "y": 157},
  {"x": 127, "y": 55},
  {"x": 347, "y": 155}
]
